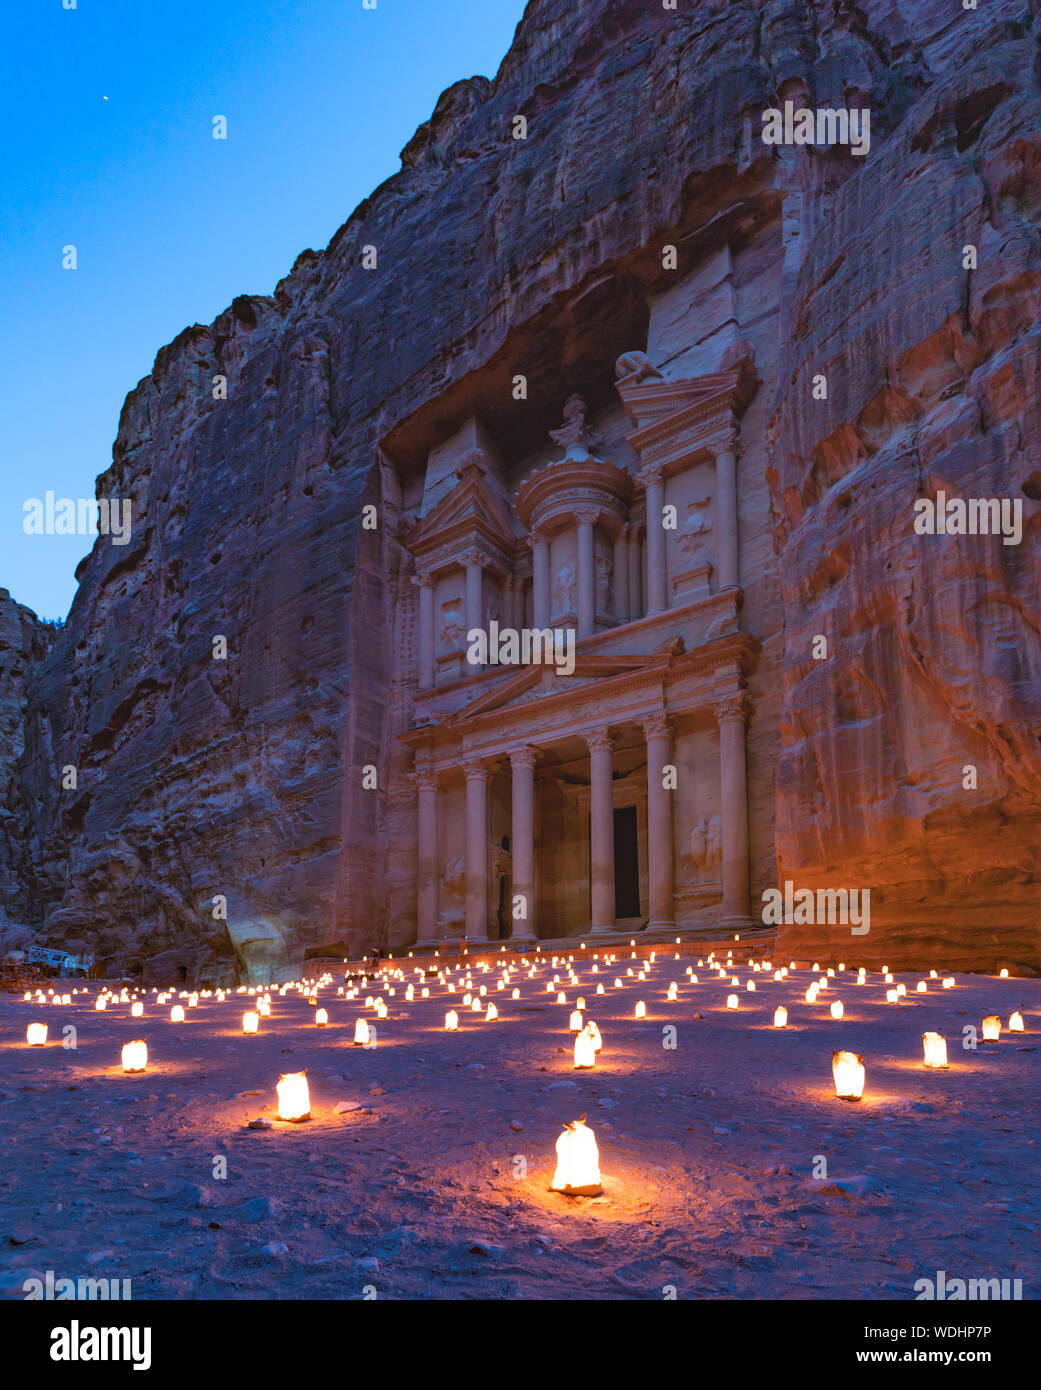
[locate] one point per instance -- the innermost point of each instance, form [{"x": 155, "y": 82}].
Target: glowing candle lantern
[
  {"x": 672, "y": 993},
  {"x": 948, "y": 983},
  {"x": 100, "y": 1004},
  {"x": 889, "y": 978},
  {"x": 312, "y": 999},
  {"x": 932, "y": 974},
  {"x": 193, "y": 1001},
  {"x": 600, "y": 989},
  {"x": 811, "y": 995},
  {"x": 575, "y": 1023},
  {"x": 467, "y": 1000},
  {"x": 901, "y": 990},
  {"x": 321, "y": 1018},
  {"x": 780, "y": 1017},
  {"x": 425, "y": 993},
  {"x": 892, "y": 997},
  {"x": 1004, "y": 975},
  {"x": 578, "y": 1162},
  {"x": 935, "y": 1045},
  {"x": 451, "y": 1021},
  {"x": 177, "y": 1013},
  {"x": 921, "y": 987},
  {"x": 640, "y": 1010},
  {"x": 617, "y": 983},
  {"x": 585, "y": 1051},
  {"x": 381, "y": 1008},
  {"x": 991, "y": 1028},
  {"x": 67, "y": 999},
  {"x": 135, "y": 1056},
  {"x": 750, "y": 987},
  {"x": 36, "y": 1034},
  {"x": 836, "y": 1009},
  {"x": 594, "y": 1033},
  {"x": 294, "y": 1099},
  {"x": 491, "y": 1013},
  {"x": 250, "y": 1022},
  {"x": 561, "y": 998},
  {"x": 136, "y": 1010},
  {"x": 580, "y": 1002},
  {"x": 516, "y": 993},
  {"x": 848, "y": 1070},
  {"x": 476, "y": 1006},
  {"x": 732, "y": 1001},
  {"x": 1015, "y": 1022},
  {"x": 361, "y": 1031}
]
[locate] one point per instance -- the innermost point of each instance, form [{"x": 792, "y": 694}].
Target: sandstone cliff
[{"x": 240, "y": 778}]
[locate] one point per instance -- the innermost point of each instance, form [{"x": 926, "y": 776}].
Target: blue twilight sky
[{"x": 107, "y": 125}]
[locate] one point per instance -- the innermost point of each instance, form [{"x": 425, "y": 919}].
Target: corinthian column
[
  {"x": 601, "y": 830},
  {"x": 635, "y": 575},
  {"x": 586, "y": 573},
  {"x": 621, "y": 575},
  {"x": 653, "y": 480},
  {"x": 477, "y": 779},
  {"x": 659, "y": 823},
  {"x": 731, "y": 714},
  {"x": 726, "y": 488},
  {"x": 425, "y": 584},
  {"x": 425, "y": 782},
  {"x": 522, "y": 763},
  {"x": 540, "y": 580}
]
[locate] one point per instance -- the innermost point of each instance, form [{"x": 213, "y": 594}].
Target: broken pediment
[{"x": 469, "y": 515}]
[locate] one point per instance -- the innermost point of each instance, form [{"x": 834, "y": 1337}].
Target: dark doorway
[{"x": 626, "y": 863}]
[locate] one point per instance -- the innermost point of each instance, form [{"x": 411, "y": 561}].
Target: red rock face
[
  {"x": 911, "y": 759},
  {"x": 241, "y": 779}
]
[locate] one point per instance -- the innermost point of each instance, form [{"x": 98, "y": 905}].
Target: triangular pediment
[{"x": 528, "y": 682}]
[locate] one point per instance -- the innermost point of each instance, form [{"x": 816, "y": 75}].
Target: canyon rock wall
[
  {"x": 911, "y": 760},
  {"x": 24, "y": 641},
  {"x": 204, "y": 779}
]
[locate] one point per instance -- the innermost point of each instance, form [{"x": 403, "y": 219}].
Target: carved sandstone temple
[{"x": 616, "y": 797}]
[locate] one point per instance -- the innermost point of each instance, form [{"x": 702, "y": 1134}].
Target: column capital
[
  {"x": 727, "y": 442},
  {"x": 424, "y": 779},
  {"x": 588, "y": 516},
  {"x": 474, "y": 770},
  {"x": 598, "y": 739},
  {"x": 535, "y": 538},
  {"x": 733, "y": 706},
  {"x": 423, "y": 579},
  {"x": 657, "y": 725},
  {"x": 473, "y": 556},
  {"x": 651, "y": 475},
  {"x": 524, "y": 756}
]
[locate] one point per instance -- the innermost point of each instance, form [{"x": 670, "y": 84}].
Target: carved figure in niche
[
  {"x": 637, "y": 366},
  {"x": 453, "y": 889},
  {"x": 706, "y": 844},
  {"x": 696, "y": 524},
  {"x": 603, "y": 584},
  {"x": 452, "y": 635},
  {"x": 564, "y": 589},
  {"x": 575, "y": 436}
]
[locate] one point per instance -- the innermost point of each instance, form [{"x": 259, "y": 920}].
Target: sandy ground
[{"x": 419, "y": 1189}]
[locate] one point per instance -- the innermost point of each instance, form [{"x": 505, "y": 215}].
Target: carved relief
[
  {"x": 696, "y": 525},
  {"x": 706, "y": 846},
  {"x": 565, "y": 588},
  {"x": 452, "y": 635},
  {"x": 603, "y": 584}
]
